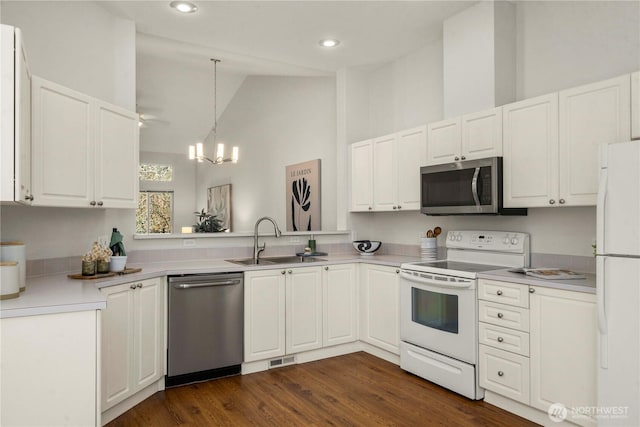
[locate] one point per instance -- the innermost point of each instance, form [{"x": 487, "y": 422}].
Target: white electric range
[{"x": 438, "y": 306}]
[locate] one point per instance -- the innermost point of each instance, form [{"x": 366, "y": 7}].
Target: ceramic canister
[
  {"x": 9, "y": 282},
  {"x": 15, "y": 251}
]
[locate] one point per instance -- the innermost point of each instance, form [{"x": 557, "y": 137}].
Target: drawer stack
[{"x": 503, "y": 311}]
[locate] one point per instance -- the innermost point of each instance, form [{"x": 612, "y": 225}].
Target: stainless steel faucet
[{"x": 257, "y": 249}]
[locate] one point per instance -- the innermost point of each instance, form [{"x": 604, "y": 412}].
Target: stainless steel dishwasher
[{"x": 205, "y": 332}]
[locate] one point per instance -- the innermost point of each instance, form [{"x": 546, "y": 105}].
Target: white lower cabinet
[
  {"x": 635, "y": 105},
  {"x": 283, "y": 312},
  {"x": 379, "y": 306},
  {"x": 541, "y": 351},
  {"x": 340, "y": 304},
  {"x": 563, "y": 349},
  {"x": 132, "y": 339},
  {"x": 49, "y": 369}
]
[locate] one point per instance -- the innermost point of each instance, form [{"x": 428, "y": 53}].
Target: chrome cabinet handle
[
  {"x": 30, "y": 198},
  {"x": 531, "y": 290},
  {"x": 499, "y": 292},
  {"x": 326, "y": 268},
  {"x": 290, "y": 272},
  {"x": 500, "y": 373},
  {"x": 562, "y": 201},
  {"x": 463, "y": 158},
  {"x": 370, "y": 208},
  {"x": 395, "y": 207},
  {"x": 139, "y": 285},
  {"x": 500, "y": 315},
  {"x": 399, "y": 207},
  {"x": 132, "y": 286},
  {"x": 456, "y": 158},
  {"x": 100, "y": 203},
  {"x": 500, "y": 339},
  {"x": 397, "y": 271},
  {"x": 552, "y": 202},
  {"x": 282, "y": 272},
  {"x": 92, "y": 203}
]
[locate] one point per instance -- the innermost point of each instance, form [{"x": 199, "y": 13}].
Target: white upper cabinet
[
  {"x": 635, "y": 105},
  {"x": 411, "y": 153},
  {"x": 85, "y": 151},
  {"x": 362, "y": 176},
  {"x": 15, "y": 122},
  {"x": 443, "y": 144},
  {"x": 482, "y": 134},
  {"x": 551, "y": 143},
  {"x": 589, "y": 116},
  {"x": 385, "y": 171},
  {"x": 530, "y": 130},
  {"x": 472, "y": 136}
]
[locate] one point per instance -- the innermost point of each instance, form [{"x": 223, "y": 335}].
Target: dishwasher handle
[{"x": 206, "y": 285}]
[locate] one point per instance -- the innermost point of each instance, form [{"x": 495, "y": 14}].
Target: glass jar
[
  {"x": 89, "y": 268},
  {"x": 102, "y": 266}
]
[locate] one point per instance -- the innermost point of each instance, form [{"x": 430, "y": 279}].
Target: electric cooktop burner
[{"x": 459, "y": 266}]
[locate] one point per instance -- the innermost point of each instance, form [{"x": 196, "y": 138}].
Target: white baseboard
[{"x": 122, "y": 407}]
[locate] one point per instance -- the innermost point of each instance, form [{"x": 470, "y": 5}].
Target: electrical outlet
[
  {"x": 188, "y": 243},
  {"x": 294, "y": 239},
  {"x": 103, "y": 240}
]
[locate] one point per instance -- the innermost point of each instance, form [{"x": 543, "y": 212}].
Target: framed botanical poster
[
  {"x": 303, "y": 196},
  {"x": 219, "y": 204}
]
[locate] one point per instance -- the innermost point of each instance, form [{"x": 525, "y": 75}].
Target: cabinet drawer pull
[
  {"x": 289, "y": 271},
  {"x": 395, "y": 207},
  {"x": 463, "y": 158},
  {"x": 531, "y": 290},
  {"x": 397, "y": 271},
  {"x": 561, "y": 201},
  {"x": 500, "y": 373},
  {"x": 132, "y": 286},
  {"x": 139, "y": 285},
  {"x": 552, "y": 202},
  {"x": 399, "y": 207},
  {"x": 282, "y": 272},
  {"x": 100, "y": 203},
  {"x": 92, "y": 203},
  {"x": 326, "y": 268},
  {"x": 500, "y": 339},
  {"x": 456, "y": 158},
  {"x": 499, "y": 293},
  {"x": 500, "y": 315}
]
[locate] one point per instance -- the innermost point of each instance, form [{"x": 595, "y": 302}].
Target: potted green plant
[{"x": 207, "y": 223}]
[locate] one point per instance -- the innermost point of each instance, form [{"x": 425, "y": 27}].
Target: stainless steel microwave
[{"x": 472, "y": 187}]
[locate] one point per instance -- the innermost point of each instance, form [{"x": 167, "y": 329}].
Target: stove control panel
[{"x": 497, "y": 241}]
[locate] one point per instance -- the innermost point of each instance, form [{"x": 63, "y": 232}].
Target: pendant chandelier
[{"x": 196, "y": 152}]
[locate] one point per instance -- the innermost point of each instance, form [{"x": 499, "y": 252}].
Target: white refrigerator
[{"x": 618, "y": 285}]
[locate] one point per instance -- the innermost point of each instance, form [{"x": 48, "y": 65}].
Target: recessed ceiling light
[
  {"x": 329, "y": 43},
  {"x": 183, "y": 6}
]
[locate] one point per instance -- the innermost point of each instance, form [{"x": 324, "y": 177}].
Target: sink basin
[{"x": 271, "y": 260}]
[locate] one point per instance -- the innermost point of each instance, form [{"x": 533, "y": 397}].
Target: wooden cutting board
[{"x": 103, "y": 275}]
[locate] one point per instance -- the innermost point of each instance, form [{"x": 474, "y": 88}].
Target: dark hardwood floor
[{"x": 353, "y": 390}]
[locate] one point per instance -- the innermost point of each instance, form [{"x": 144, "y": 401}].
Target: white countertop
[
  {"x": 59, "y": 294},
  {"x": 587, "y": 285}
]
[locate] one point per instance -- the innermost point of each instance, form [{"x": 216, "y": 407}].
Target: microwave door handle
[{"x": 474, "y": 187}]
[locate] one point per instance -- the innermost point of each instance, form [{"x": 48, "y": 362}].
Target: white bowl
[
  {"x": 118, "y": 263},
  {"x": 367, "y": 247}
]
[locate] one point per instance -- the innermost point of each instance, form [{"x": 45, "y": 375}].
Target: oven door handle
[
  {"x": 461, "y": 284},
  {"x": 474, "y": 187}
]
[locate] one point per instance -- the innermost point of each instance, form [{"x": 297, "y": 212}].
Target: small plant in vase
[{"x": 96, "y": 260}]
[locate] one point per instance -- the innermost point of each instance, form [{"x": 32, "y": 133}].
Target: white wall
[
  {"x": 78, "y": 45},
  {"x": 560, "y": 45},
  {"x": 275, "y": 122},
  {"x": 563, "y": 44}
]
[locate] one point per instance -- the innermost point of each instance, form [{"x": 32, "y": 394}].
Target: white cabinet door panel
[
  {"x": 149, "y": 338},
  {"x": 362, "y": 176},
  {"x": 380, "y": 302},
  {"x": 443, "y": 141},
  {"x": 303, "y": 309},
  {"x": 482, "y": 134},
  {"x": 116, "y": 165},
  {"x": 411, "y": 154},
  {"x": 340, "y": 305},
  {"x": 635, "y": 105},
  {"x": 530, "y": 130},
  {"x": 63, "y": 169},
  {"x": 590, "y": 115},
  {"x": 384, "y": 173}
]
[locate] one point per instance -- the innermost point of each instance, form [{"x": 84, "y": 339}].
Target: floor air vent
[{"x": 282, "y": 361}]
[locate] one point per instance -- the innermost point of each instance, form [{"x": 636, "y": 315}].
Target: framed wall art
[
  {"x": 219, "y": 204},
  {"x": 303, "y": 196}
]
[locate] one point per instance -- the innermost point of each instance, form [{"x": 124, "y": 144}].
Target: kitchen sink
[{"x": 273, "y": 260}]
